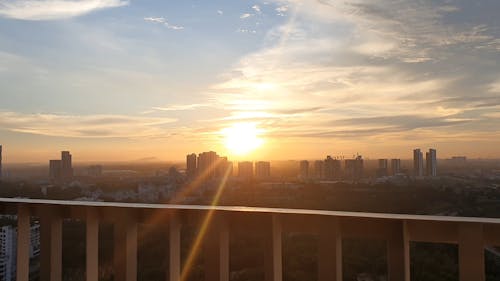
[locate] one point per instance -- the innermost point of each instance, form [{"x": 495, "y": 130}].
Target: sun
[{"x": 242, "y": 138}]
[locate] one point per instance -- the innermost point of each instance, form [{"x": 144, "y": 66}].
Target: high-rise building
[
  {"x": 8, "y": 254},
  {"x": 55, "y": 170},
  {"x": 224, "y": 168},
  {"x": 191, "y": 160},
  {"x": 61, "y": 170},
  {"x": 383, "y": 168},
  {"x": 245, "y": 170},
  {"x": 395, "y": 166},
  {"x": 319, "y": 169},
  {"x": 8, "y": 249},
  {"x": 304, "y": 169},
  {"x": 431, "y": 163},
  {"x": 354, "y": 168},
  {"x": 418, "y": 163},
  {"x": 332, "y": 168},
  {"x": 207, "y": 164},
  {"x": 66, "y": 165},
  {"x": 262, "y": 170},
  {"x": 0, "y": 161}
]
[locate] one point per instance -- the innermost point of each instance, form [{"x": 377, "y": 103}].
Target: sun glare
[{"x": 242, "y": 138}]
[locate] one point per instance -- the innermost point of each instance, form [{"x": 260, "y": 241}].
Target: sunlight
[{"x": 242, "y": 138}]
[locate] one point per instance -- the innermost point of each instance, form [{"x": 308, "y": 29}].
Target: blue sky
[{"x": 164, "y": 78}]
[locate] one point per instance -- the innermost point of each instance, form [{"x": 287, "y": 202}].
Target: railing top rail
[{"x": 252, "y": 209}]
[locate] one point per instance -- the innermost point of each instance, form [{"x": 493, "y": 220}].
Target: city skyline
[{"x": 283, "y": 79}]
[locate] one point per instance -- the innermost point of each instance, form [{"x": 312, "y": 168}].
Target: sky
[{"x": 115, "y": 80}]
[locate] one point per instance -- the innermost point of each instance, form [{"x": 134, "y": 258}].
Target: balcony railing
[{"x": 217, "y": 222}]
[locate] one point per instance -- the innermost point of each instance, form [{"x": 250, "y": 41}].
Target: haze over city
[{"x": 126, "y": 80}]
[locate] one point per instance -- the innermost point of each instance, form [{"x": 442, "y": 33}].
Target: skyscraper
[
  {"x": 262, "y": 170},
  {"x": 61, "y": 170},
  {"x": 395, "y": 166},
  {"x": 331, "y": 168},
  {"x": 431, "y": 163},
  {"x": 245, "y": 170},
  {"x": 318, "y": 169},
  {"x": 304, "y": 169},
  {"x": 207, "y": 164},
  {"x": 354, "y": 168},
  {"x": 55, "y": 170},
  {"x": 191, "y": 165},
  {"x": 383, "y": 168},
  {"x": 66, "y": 165},
  {"x": 418, "y": 163}
]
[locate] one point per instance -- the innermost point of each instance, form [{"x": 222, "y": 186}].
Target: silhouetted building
[
  {"x": 224, "y": 168},
  {"x": 66, "y": 166},
  {"x": 395, "y": 166},
  {"x": 332, "y": 168},
  {"x": 229, "y": 168},
  {"x": 94, "y": 171},
  {"x": 319, "y": 169},
  {"x": 304, "y": 169},
  {"x": 55, "y": 167},
  {"x": 431, "y": 163},
  {"x": 354, "y": 168},
  {"x": 418, "y": 163},
  {"x": 191, "y": 165},
  {"x": 207, "y": 164},
  {"x": 383, "y": 168},
  {"x": 262, "y": 170},
  {"x": 61, "y": 170},
  {"x": 245, "y": 170}
]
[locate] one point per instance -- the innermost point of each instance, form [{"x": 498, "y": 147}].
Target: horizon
[{"x": 280, "y": 79}]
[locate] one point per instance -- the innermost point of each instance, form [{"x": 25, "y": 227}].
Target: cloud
[
  {"x": 181, "y": 107},
  {"x": 85, "y": 126},
  {"x": 220, "y": 12},
  {"x": 244, "y": 30},
  {"x": 245, "y": 15},
  {"x": 153, "y": 19},
  {"x": 174, "y": 27},
  {"x": 54, "y": 9},
  {"x": 281, "y": 11},
  {"x": 163, "y": 21},
  {"x": 387, "y": 68},
  {"x": 257, "y": 9}
]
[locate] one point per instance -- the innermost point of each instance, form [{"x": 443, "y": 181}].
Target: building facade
[
  {"x": 263, "y": 170},
  {"x": 191, "y": 165},
  {"x": 245, "y": 170},
  {"x": 418, "y": 163},
  {"x": 304, "y": 169},
  {"x": 395, "y": 166},
  {"x": 431, "y": 163},
  {"x": 332, "y": 168},
  {"x": 383, "y": 168},
  {"x": 354, "y": 168}
]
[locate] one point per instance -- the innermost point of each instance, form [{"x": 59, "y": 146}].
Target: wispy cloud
[
  {"x": 245, "y": 15},
  {"x": 257, "y": 9},
  {"x": 244, "y": 30},
  {"x": 384, "y": 59},
  {"x": 164, "y": 21},
  {"x": 53, "y": 9},
  {"x": 181, "y": 107},
  {"x": 85, "y": 126},
  {"x": 220, "y": 12},
  {"x": 281, "y": 10}
]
